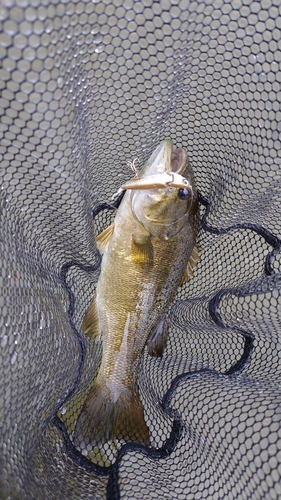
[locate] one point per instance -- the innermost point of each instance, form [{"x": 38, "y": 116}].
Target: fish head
[{"x": 164, "y": 195}]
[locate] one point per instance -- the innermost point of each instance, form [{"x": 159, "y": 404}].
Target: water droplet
[
  {"x": 4, "y": 341},
  {"x": 95, "y": 29},
  {"x": 111, "y": 58},
  {"x": 252, "y": 59},
  {"x": 13, "y": 358},
  {"x": 60, "y": 81},
  {"x": 99, "y": 49},
  {"x": 97, "y": 39}
]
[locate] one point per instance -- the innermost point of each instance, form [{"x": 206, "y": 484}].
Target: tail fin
[{"x": 111, "y": 413}]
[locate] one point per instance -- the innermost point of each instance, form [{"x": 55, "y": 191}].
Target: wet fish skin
[{"x": 145, "y": 255}]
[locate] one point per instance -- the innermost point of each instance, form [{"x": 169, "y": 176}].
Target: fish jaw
[
  {"x": 166, "y": 158},
  {"x": 160, "y": 160},
  {"x": 163, "y": 196},
  {"x": 164, "y": 168}
]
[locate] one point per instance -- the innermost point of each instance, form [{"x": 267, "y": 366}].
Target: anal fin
[
  {"x": 191, "y": 265},
  {"x": 90, "y": 323},
  {"x": 157, "y": 340}
]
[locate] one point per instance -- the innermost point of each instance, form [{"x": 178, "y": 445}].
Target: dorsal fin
[
  {"x": 103, "y": 238},
  {"x": 191, "y": 265}
]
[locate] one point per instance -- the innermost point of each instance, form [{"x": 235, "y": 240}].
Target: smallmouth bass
[{"x": 148, "y": 252}]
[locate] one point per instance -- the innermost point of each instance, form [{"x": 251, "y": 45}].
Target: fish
[{"x": 147, "y": 253}]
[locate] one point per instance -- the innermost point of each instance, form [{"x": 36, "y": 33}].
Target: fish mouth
[
  {"x": 178, "y": 160},
  {"x": 163, "y": 169},
  {"x": 166, "y": 158}
]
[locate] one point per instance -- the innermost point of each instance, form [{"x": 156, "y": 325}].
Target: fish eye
[{"x": 184, "y": 193}]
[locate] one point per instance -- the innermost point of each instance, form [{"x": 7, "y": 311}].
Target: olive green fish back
[{"x": 87, "y": 87}]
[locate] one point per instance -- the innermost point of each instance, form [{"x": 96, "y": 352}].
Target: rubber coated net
[{"x": 85, "y": 88}]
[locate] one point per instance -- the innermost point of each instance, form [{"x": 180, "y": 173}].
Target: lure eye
[{"x": 184, "y": 193}]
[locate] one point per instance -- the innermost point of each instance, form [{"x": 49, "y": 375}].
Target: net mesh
[{"x": 86, "y": 87}]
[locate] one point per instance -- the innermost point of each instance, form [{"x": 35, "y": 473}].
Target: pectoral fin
[
  {"x": 142, "y": 249},
  {"x": 191, "y": 265},
  {"x": 157, "y": 340},
  {"x": 103, "y": 238},
  {"x": 90, "y": 323}
]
